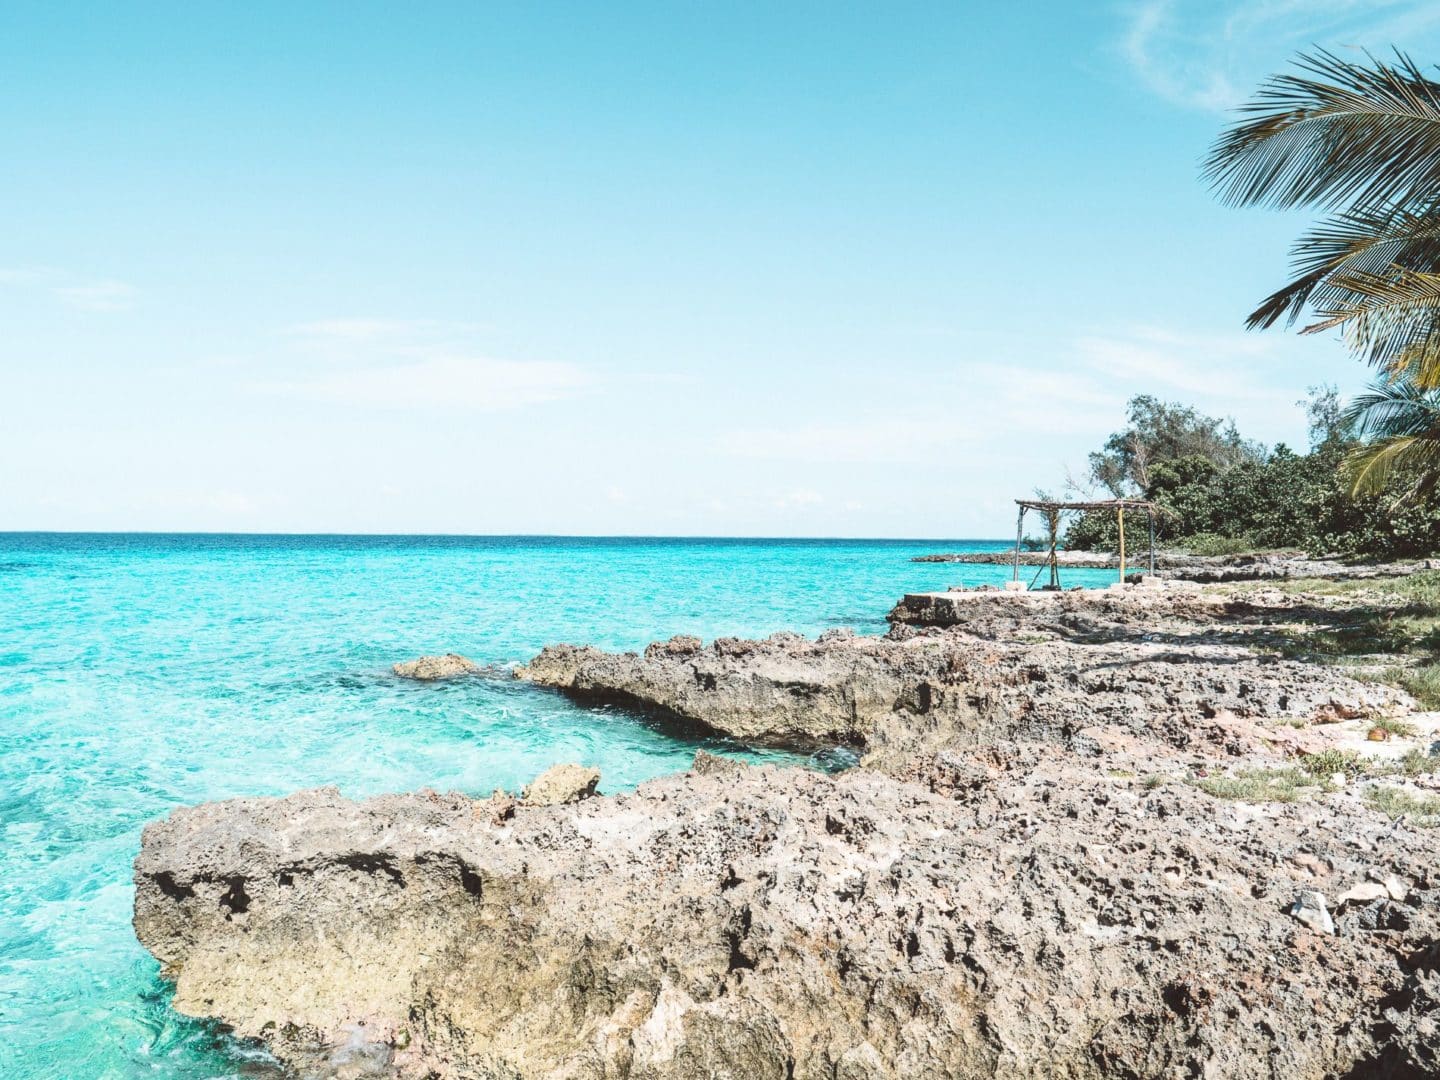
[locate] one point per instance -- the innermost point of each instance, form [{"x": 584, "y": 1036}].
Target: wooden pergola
[{"x": 1052, "y": 511}]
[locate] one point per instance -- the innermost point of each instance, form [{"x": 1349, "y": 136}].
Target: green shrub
[
  {"x": 1397, "y": 803},
  {"x": 1216, "y": 544},
  {"x": 1259, "y": 785},
  {"x": 1226, "y": 495}
]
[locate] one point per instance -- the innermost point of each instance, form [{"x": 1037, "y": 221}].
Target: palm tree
[
  {"x": 1399, "y": 423},
  {"x": 1360, "y": 142}
]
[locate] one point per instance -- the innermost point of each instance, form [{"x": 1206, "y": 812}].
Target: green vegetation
[
  {"x": 1260, "y": 785},
  {"x": 1360, "y": 141},
  {"x": 1385, "y": 630},
  {"x": 1397, "y": 803},
  {"x": 1312, "y": 775},
  {"x": 1418, "y": 763},
  {"x": 1223, "y": 494},
  {"x": 1329, "y": 762},
  {"x": 1422, "y": 682},
  {"x": 1390, "y": 725}
]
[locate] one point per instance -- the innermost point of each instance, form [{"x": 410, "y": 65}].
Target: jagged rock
[
  {"x": 430, "y": 668},
  {"x": 708, "y": 764},
  {"x": 679, "y": 645},
  {"x": 500, "y": 807},
  {"x": 1035, "y": 918},
  {"x": 1362, "y": 893},
  {"x": 1030, "y": 887},
  {"x": 919, "y": 690},
  {"x": 561, "y": 784},
  {"x": 1309, "y": 908}
]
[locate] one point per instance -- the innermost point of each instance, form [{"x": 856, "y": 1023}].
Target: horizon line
[{"x": 494, "y": 536}]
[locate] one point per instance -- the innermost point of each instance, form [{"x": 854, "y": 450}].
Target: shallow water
[{"x": 141, "y": 672}]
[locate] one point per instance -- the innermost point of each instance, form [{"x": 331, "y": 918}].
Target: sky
[{"x": 768, "y": 269}]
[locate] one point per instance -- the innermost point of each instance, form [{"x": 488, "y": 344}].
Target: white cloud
[
  {"x": 888, "y": 440},
  {"x": 798, "y": 499},
  {"x": 105, "y": 295},
  {"x": 367, "y": 331},
  {"x": 993, "y": 404},
  {"x": 401, "y": 364},
  {"x": 441, "y": 382},
  {"x": 1212, "y": 54},
  {"x": 101, "y": 296}
]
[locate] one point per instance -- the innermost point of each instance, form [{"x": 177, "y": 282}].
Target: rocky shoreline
[
  {"x": 1035, "y": 871},
  {"x": 1182, "y": 566}
]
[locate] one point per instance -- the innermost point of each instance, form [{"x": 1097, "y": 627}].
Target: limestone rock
[
  {"x": 917, "y": 690},
  {"x": 1309, "y": 908},
  {"x": 708, "y": 764},
  {"x": 1363, "y": 892},
  {"x": 431, "y": 668},
  {"x": 1027, "y": 917},
  {"x": 561, "y": 784}
]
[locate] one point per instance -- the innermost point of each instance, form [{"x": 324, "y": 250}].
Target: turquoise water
[{"x": 140, "y": 672}]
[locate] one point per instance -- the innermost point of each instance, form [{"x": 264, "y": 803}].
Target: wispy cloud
[
  {"x": 98, "y": 296},
  {"x": 995, "y": 403},
  {"x": 1212, "y": 54},
  {"x": 444, "y": 382},
  {"x": 74, "y": 290},
  {"x": 415, "y": 364},
  {"x": 865, "y": 440},
  {"x": 363, "y": 331}
]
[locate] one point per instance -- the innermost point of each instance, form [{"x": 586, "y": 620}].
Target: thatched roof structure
[{"x": 1052, "y": 509}]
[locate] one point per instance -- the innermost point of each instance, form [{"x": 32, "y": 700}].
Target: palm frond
[
  {"x": 1334, "y": 134},
  {"x": 1371, "y": 468},
  {"x": 1391, "y": 320},
  {"x": 1357, "y": 243},
  {"x": 1399, "y": 421}
]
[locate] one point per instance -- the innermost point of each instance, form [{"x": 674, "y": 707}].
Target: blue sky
[{"x": 745, "y": 269}]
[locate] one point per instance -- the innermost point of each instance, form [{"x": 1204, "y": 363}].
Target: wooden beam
[
  {"x": 1019, "y": 532},
  {"x": 1120, "y": 518}
]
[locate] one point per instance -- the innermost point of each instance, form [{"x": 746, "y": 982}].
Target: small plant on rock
[{"x": 1398, "y": 803}]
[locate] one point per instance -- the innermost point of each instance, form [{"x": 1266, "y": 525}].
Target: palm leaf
[
  {"x": 1392, "y": 320},
  {"x": 1400, "y": 423},
  {"x": 1365, "y": 243},
  {"x": 1337, "y": 134}
]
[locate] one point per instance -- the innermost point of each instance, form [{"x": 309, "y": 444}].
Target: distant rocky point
[{"x": 431, "y": 668}]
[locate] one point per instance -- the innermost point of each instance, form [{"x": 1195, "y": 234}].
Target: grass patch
[
  {"x": 1422, "y": 682},
  {"x": 1390, "y": 725},
  {"x": 1418, "y": 763},
  {"x": 1260, "y": 785},
  {"x": 1420, "y": 589},
  {"x": 1397, "y": 803},
  {"x": 1329, "y": 762},
  {"x": 1396, "y": 617}
]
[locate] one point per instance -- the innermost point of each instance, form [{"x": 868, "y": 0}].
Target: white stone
[{"x": 1309, "y": 908}]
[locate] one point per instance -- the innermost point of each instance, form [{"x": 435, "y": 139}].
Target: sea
[{"x": 140, "y": 672}]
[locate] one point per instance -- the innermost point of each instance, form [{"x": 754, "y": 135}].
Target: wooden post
[
  {"x": 1120, "y": 519},
  {"x": 1151, "y": 515},
  {"x": 1054, "y": 520},
  {"x": 1019, "y": 532}
]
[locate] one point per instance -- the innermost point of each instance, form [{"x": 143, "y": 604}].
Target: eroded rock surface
[
  {"x": 917, "y": 691},
  {"x": 562, "y": 784},
  {"x": 1024, "y": 879},
  {"x": 431, "y": 668},
  {"x": 1004, "y": 913}
]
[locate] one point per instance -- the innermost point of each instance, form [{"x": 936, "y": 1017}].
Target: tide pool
[{"x": 141, "y": 672}]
